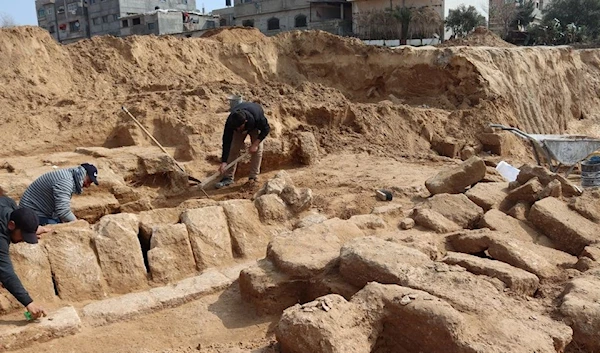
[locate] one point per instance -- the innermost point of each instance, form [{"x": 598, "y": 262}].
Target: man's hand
[
  {"x": 254, "y": 146},
  {"x": 222, "y": 168},
  {"x": 42, "y": 230},
  {"x": 36, "y": 311}
]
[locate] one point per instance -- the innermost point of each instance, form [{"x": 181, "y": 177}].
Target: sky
[{"x": 23, "y": 11}]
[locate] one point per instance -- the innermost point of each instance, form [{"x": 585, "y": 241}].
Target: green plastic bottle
[{"x": 28, "y": 316}]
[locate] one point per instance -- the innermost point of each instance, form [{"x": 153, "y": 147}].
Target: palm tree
[{"x": 403, "y": 15}]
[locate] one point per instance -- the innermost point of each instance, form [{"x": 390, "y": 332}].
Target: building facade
[
  {"x": 161, "y": 22},
  {"x": 274, "y": 16},
  {"x": 341, "y": 17},
  {"x": 72, "y": 20}
]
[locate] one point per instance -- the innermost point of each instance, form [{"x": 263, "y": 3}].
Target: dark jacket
[
  {"x": 256, "y": 120},
  {"x": 8, "y": 277}
]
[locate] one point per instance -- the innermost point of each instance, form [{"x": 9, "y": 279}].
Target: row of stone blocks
[{"x": 81, "y": 262}]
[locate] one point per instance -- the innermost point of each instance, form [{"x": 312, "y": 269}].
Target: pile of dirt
[
  {"x": 481, "y": 37},
  {"x": 235, "y": 35},
  {"x": 345, "y": 92}
]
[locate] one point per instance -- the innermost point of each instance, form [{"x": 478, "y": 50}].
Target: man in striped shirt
[{"x": 49, "y": 196}]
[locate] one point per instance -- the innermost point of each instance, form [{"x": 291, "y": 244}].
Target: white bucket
[
  {"x": 509, "y": 172},
  {"x": 234, "y": 100}
]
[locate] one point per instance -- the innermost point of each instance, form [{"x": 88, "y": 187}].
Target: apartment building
[{"x": 72, "y": 20}]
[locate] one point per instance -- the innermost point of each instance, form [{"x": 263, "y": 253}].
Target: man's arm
[
  {"x": 9, "y": 278},
  {"x": 227, "y": 138},
  {"x": 62, "y": 202}
]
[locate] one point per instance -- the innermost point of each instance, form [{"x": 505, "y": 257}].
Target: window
[
  {"x": 52, "y": 29},
  {"x": 92, "y": 1},
  {"x": 115, "y": 17},
  {"x": 210, "y": 24},
  {"x": 72, "y": 8},
  {"x": 41, "y": 13},
  {"x": 105, "y": 19},
  {"x": 60, "y": 10},
  {"x": 272, "y": 24},
  {"x": 248, "y": 23},
  {"x": 222, "y": 22},
  {"x": 300, "y": 21},
  {"x": 74, "y": 26},
  {"x": 137, "y": 21},
  {"x": 125, "y": 23},
  {"x": 96, "y": 21},
  {"x": 151, "y": 26}
]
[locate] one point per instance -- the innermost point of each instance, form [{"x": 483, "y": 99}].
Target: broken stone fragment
[
  {"x": 456, "y": 180},
  {"x": 407, "y": 223}
]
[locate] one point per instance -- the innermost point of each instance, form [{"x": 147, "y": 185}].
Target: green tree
[
  {"x": 463, "y": 20},
  {"x": 524, "y": 14},
  {"x": 403, "y": 15},
  {"x": 583, "y": 14}
]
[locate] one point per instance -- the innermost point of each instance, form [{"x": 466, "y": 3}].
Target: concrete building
[
  {"x": 72, "y": 20},
  {"x": 65, "y": 20},
  {"x": 226, "y": 16},
  {"x": 274, "y": 16},
  {"x": 160, "y": 22}
]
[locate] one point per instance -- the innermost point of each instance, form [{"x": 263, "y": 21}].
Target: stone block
[
  {"x": 125, "y": 307},
  {"x": 581, "y": 307},
  {"x": 74, "y": 264},
  {"x": 159, "y": 216},
  {"x": 31, "y": 264},
  {"x": 455, "y": 180},
  {"x": 209, "y": 236},
  {"x": 248, "y": 235},
  {"x": 93, "y": 207},
  {"x": 488, "y": 195},
  {"x": 272, "y": 209},
  {"x": 432, "y": 220},
  {"x": 170, "y": 257},
  {"x": 569, "y": 231},
  {"x": 518, "y": 280},
  {"x": 306, "y": 252},
  {"x": 528, "y": 192},
  {"x": 308, "y": 148},
  {"x": 60, "y": 323},
  {"x": 190, "y": 289},
  {"x": 119, "y": 252},
  {"x": 457, "y": 208},
  {"x": 269, "y": 290}
]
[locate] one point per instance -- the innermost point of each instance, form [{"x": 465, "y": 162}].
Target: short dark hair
[{"x": 238, "y": 118}]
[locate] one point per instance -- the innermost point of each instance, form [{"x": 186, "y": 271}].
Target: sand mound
[
  {"x": 481, "y": 37},
  {"x": 235, "y": 35},
  {"x": 348, "y": 94}
]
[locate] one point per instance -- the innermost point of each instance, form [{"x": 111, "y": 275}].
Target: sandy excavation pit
[{"x": 306, "y": 260}]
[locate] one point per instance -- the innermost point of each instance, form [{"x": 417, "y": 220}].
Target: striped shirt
[{"x": 49, "y": 195}]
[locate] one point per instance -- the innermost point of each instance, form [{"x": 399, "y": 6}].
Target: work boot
[
  {"x": 253, "y": 179},
  {"x": 224, "y": 182}
]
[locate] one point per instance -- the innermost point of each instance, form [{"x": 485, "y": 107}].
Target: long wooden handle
[
  {"x": 212, "y": 178},
  {"x": 153, "y": 139}
]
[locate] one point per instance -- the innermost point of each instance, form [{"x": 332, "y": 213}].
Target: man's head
[
  {"x": 23, "y": 225},
  {"x": 238, "y": 120},
  {"x": 91, "y": 175}
]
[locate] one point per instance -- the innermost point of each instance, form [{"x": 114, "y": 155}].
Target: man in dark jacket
[
  {"x": 16, "y": 225},
  {"x": 49, "y": 196},
  {"x": 246, "y": 119}
]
